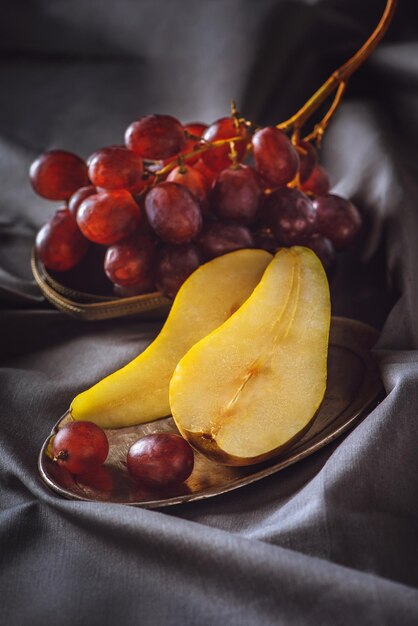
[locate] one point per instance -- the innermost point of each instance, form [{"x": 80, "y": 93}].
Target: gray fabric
[{"x": 331, "y": 540}]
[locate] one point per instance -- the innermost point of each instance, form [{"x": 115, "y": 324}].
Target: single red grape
[
  {"x": 308, "y": 157},
  {"x": 338, "y": 219},
  {"x": 134, "y": 290},
  {"x": 219, "y": 238},
  {"x": 236, "y": 194},
  {"x": 160, "y": 459},
  {"x": 131, "y": 262},
  {"x": 290, "y": 214},
  {"x": 323, "y": 249},
  {"x": 217, "y": 159},
  {"x": 194, "y": 180},
  {"x": 108, "y": 216},
  {"x": 173, "y": 212},
  {"x": 57, "y": 174},
  {"x": 155, "y": 137},
  {"x": 175, "y": 264},
  {"x": 195, "y": 128},
  {"x": 79, "y": 447},
  {"x": 60, "y": 244},
  {"x": 78, "y": 197},
  {"x": 115, "y": 168},
  {"x": 210, "y": 175},
  {"x": 318, "y": 182},
  {"x": 112, "y": 147},
  {"x": 276, "y": 159}
]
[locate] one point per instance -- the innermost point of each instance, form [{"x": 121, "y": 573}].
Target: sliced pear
[
  {"x": 251, "y": 387},
  {"x": 139, "y": 391}
]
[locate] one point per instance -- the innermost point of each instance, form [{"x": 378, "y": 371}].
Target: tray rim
[{"x": 319, "y": 441}]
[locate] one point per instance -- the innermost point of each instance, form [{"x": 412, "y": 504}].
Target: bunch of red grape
[{"x": 176, "y": 196}]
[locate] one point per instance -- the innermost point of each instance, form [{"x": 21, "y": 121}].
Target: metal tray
[{"x": 353, "y": 389}]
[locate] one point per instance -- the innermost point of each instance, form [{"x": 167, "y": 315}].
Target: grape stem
[
  {"x": 336, "y": 82},
  {"x": 202, "y": 148},
  {"x": 340, "y": 76},
  {"x": 61, "y": 456},
  {"x": 319, "y": 129}
]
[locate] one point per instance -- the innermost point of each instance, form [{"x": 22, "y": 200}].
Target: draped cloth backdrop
[{"x": 330, "y": 540}]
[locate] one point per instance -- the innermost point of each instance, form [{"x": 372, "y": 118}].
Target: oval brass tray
[{"x": 353, "y": 389}]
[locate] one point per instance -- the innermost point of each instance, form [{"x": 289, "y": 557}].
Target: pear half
[
  {"x": 138, "y": 392},
  {"x": 251, "y": 387}
]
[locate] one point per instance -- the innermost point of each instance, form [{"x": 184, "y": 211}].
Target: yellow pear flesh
[
  {"x": 138, "y": 392},
  {"x": 251, "y": 387}
]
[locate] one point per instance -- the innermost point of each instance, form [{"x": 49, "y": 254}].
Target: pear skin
[
  {"x": 251, "y": 387},
  {"x": 138, "y": 392}
]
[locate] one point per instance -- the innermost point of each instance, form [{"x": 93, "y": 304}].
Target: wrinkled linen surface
[{"x": 330, "y": 540}]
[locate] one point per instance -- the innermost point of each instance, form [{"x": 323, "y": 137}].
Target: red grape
[
  {"x": 193, "y": 180},
  {"x": 134, "y": 290},
  {"x": 222, "y": 237},
  {"x": 145, "y": 227},
  {"x": 236, "y": 194},
  {"x": 318, "y": 182},
  {"x": 108, "y": 216},
  {"x": 276, "y": 159},
  {"x": 210, "y": 175},
  {"x": 78, "y": 197},
  {"x": 146, "y": 181},
  {"x": 175, "y": 264},
  {"x": 173, "y": 212},
  {"x": 59, "y": 244},
  {"x": 308, "y": 157},
  {"x": 155, "y": 137},
  {"x": 160, "y": 459},
  {"x": 265, "y": 240},
  {"x": 79, "y": 447},
  {"x": 130, "y": 262},
  {"x": 57, "y": 174},
  {"x": 290, "y": 214},
  {"x": 197, "y": 129},
  {"x": 338, "y": 219},
  {"x": 323, "y": 249},
  {"x": 115, "y": 168},
  {"x": 217, "y": 159}
]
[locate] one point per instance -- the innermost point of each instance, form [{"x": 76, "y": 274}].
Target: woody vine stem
[{"x": 337, "y": 83}]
